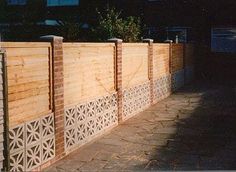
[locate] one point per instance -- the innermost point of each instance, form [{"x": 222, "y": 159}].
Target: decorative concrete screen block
[
  {"x": 162, "y": 88},
  {"x": 17, "y": 161},
  {"x": 136, "y": 99},
  {"x": 33, "y": 156},
  {"x": 48, "y": 149},
  {"x": 32, "y": 143},
  {"x": 17, "y": 136},
  {"x": 177, "y": 80},
  {"x": 189, "y": 74},
  {"x": 86, "y": 120},
  {"x": 33, "y": 132}
]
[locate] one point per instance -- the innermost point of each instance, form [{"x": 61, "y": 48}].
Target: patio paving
[{"x": 193, "y": 129}]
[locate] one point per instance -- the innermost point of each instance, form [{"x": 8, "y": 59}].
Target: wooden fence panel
[
  {"x": 89, "y": 71},
  {"x": 177, "y": 62},
  {"x": 29, "y": 77},
  {"x": 161, "y": 60},
  {"x": 134, "y": 64}
]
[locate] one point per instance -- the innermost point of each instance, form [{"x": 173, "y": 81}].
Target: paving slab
[{"x": 193, "y": 129}]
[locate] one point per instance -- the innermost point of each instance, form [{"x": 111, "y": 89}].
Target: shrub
[
  {"x": 130, "y": 30},
  {"x": 70, "y": 31},
  {"x": 111, "y": 25}
]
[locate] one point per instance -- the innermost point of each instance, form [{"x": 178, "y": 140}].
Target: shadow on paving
[
  {"x": 203, "y": 136},
  {"x": 193, "y": 129}
]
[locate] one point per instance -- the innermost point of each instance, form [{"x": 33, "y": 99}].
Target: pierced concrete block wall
[
  {"x": 87, "y": 120},
  {"x": 32, "y": 144},
  {"x": 162, "y": 88}
]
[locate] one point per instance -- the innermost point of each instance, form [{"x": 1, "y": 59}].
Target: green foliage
[
  {"x": 108, "y": 25},
  {"x": 130, "y": 29},
  {"x": 111, "y": 25},
  {"x": 69, "y": 30}
]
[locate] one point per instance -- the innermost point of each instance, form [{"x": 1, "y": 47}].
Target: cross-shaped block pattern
[{"x": 32, "y": 143}]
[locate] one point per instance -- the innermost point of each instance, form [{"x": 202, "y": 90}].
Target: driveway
[{"x": 193, "y": 129}]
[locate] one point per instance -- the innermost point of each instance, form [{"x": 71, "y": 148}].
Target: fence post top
[
  {"x": 148, "y": 40},
  {"x": 115, "y": 40},
  {"x": 51, "y": 37},
  {"x": 168, "y": 41}
]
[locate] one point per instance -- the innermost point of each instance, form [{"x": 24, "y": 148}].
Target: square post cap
[
  {"x": 148, "y": 40},
  {"x": 168, "y": 41},
  {"x": 51, "y": 37},
  {"x": 115, "y": 40}
]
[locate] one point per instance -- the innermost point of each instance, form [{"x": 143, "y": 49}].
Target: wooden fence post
[
  {"x": 4, "y": 119},
  {"x": 118, "y": 76},
  {"x": 150, "y": 68},
  {"x": 58, "y": 92}
]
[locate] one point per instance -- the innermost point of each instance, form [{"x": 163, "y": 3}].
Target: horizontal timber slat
[
  {"x": 28, "y": 68},
  {"x": 134, "y": 64},
  {"x": 161, "y": 60},
  {"x": 89, "y": 71}
]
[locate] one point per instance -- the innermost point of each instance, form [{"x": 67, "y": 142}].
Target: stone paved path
[{"x": 194, "y": 129}]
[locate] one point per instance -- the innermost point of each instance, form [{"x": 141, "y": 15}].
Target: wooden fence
[
  {"x": 89, "y": 91},
  {"x": 29, "y": 77},
  {"x": 63, "y": 95},
  {"x": 31, "y": 122}
]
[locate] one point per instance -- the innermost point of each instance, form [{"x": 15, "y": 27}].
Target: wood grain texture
[
  {"x": 89, "y": 71},
  {"x": 24, "y": 44},
  {"x": 161, "y": 57},
  {"x": 28, "y": 81},
  {"x": 134, "y": 64},
  {"x": 177, "y": 62}
]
